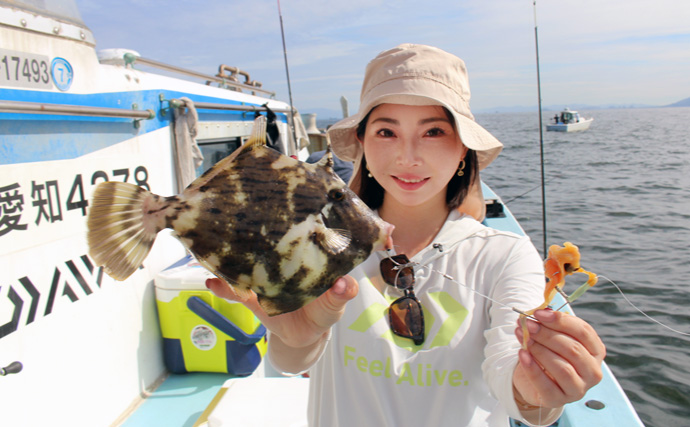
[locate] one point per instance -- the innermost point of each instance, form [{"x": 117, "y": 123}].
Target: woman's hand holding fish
[
  {"x": 298, "y": 336},
  {"x": 562, "y": 361}
]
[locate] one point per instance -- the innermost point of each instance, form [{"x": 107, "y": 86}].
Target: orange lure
[{"x": 561, "y": 262}]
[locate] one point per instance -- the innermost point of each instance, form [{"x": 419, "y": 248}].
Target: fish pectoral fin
[{"x": 335, "y": 240}]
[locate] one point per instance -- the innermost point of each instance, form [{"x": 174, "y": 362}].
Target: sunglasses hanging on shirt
[{"x": 405, "y": 314}]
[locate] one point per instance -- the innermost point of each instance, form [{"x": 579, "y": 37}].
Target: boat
[
  {"x": 77, "y": 347},
  {"x": 71, "y": 117},
  {"x": 569, "y": 121}
]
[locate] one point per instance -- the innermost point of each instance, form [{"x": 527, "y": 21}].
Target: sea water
[{"x": 621, "y": 192}]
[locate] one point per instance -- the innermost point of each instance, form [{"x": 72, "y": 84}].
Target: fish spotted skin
[
  {"x": 263, "y": 228},
  {"x": 259, "y": 220}
]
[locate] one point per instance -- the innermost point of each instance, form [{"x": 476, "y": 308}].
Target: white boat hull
[
  {"x": 582, "y": 125},
  {"x": 69, "y": 122}
]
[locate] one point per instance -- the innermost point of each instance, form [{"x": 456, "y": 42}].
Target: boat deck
[
  {"x": 187, "y": 400},
  {"x": 178, "y": 402}
]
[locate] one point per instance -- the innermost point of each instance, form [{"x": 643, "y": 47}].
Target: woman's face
[{"x": 412, "y": 151}]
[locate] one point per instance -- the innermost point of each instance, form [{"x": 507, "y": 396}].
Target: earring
[
  {"x": 369, "y": 172},
  {"x": 462, "y": 166}
]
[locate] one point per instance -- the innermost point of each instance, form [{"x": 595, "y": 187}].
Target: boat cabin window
[
  {"x": 62, "y": 10},
  {"x": 215, "y": 150}
]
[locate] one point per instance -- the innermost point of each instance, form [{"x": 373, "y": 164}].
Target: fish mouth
[{"x": 324, "y": 219}]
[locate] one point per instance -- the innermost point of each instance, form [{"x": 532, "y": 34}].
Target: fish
[{"x": 259, "y": 220}]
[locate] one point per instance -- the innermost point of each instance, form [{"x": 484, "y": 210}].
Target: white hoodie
[{"x": 462, "y": 374}]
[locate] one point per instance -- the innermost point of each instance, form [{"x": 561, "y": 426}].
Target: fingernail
[
  {"x": 533, "y": 327},
  {"x": 525, "y": 358},
  {"x": 339, "y": 287},
  {"x": 545, "y": 315}
]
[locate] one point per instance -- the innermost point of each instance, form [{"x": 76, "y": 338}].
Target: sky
[{"x": 592, "y": 52}]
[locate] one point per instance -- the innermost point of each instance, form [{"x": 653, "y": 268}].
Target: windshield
[{"x": 62, "y": 10}]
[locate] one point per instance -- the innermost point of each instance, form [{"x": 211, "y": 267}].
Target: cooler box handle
[{"x": 210, "y": 315}]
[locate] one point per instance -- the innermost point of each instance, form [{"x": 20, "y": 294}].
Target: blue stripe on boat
[{"x": 32, "y": 137}]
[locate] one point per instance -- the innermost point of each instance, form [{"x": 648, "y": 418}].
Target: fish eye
[{"x": 336, "y": 194}]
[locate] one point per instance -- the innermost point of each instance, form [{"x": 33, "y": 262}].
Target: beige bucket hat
[{"x": 413, "y": 74}]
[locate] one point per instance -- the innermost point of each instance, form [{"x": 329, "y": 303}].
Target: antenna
[
  {"x": 541, "y": 133},
  {"x": 287, "y": 72}
]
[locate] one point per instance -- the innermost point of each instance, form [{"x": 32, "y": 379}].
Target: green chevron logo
[{"x": 456, "y": 316}]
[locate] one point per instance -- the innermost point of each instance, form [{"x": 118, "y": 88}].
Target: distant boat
[{"x": 569, "y": 121}]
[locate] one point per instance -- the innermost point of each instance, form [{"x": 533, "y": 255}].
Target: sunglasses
[{"x": 405, "y": 313}]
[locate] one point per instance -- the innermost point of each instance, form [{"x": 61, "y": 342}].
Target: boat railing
[
  {"x": 22, "y": 107},
  {"x": 224, "y": 80},
  {"x": 177, "y": 103}
]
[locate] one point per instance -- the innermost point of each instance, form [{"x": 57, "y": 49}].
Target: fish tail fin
[{"x": 119, "y": 236}]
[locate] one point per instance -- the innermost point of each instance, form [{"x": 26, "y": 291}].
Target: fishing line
[
  {"x": 530, "y": 190},
  {"x": 565, "y": 296},
  {"x": 641, "y": 311},
  {"x": 400, "y": 266}
]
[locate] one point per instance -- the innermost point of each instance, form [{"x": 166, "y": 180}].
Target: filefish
[{"x": 258, "y": 219}]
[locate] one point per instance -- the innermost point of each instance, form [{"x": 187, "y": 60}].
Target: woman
[{"x": 392, "y": 344}]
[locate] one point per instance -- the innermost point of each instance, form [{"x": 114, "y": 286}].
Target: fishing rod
[
  {"x": 287, "y": 72},
  {"x": 541, "y": 132}
]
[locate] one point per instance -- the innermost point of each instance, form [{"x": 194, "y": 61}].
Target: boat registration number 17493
[{"x": 19, "y": 69}]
